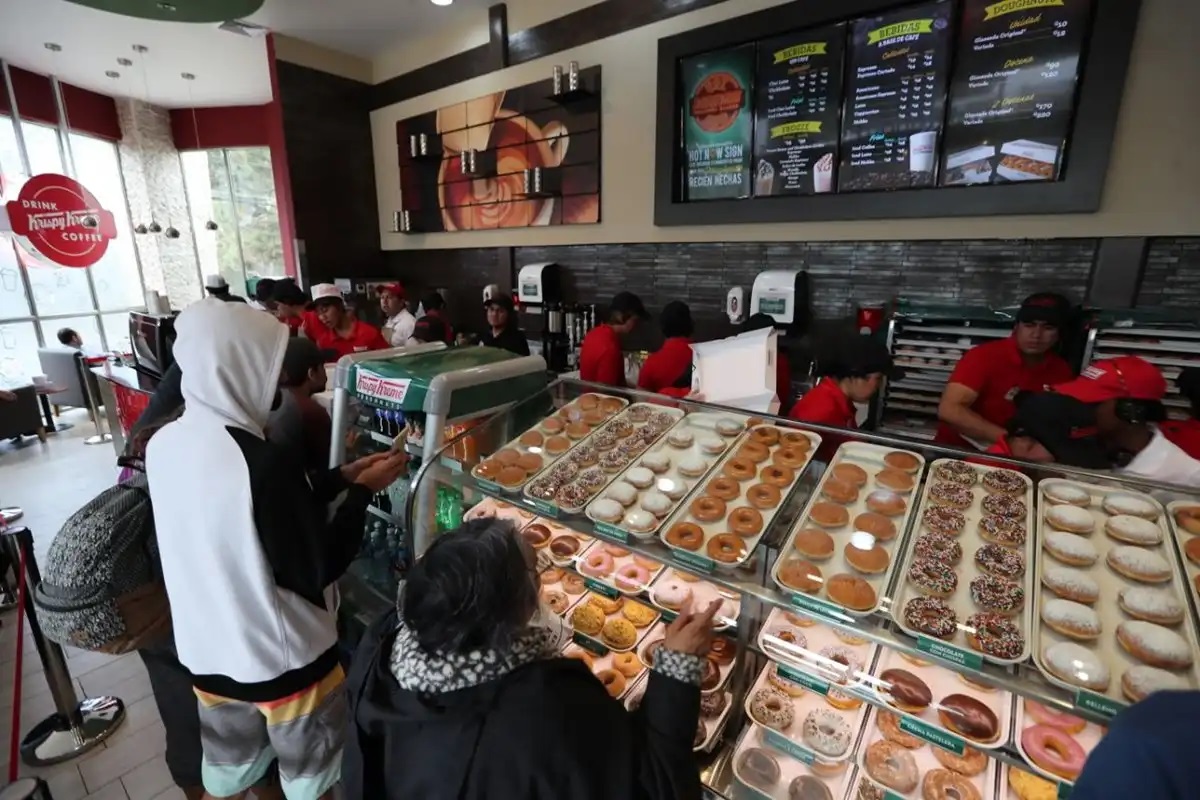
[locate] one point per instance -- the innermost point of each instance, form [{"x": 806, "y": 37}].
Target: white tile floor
[{"x": 50, "y": 482}]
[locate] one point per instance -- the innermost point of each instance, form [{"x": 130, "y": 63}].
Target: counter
[{"x": 125, "y": 392}]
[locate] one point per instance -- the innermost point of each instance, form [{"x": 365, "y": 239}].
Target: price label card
[
  {"x": 669, "y": 616},
  {"x": 935, "y": 736},
  {"x": 1098, "y": 704},
  {"x": 807, "y": 681},
  {"x": 610, "y": 531},
  {"x": 783, "y": 744},
  {"x": 602, "y": 589},
  {"x": 488, "y": 486},
  {"x": 452, "y": 465},
  {"x": 546, "y": 509},
  {"x": 948, "y": 652},
  {"x": 589, "y": 644},
  {"x": 815, "y": 605},
  {"x": 694, "y": 561},
  {"x": 891, "y": 796}
]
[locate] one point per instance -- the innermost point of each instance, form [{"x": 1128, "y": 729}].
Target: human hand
[
  {"x": 692, "y": 633},
  {"x": 378, "y": 471}
]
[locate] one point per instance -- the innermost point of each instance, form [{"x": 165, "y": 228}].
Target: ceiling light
[
  {"x": 52, "y": 47},
  {"x": 124, "y": 62},
  {"x": 166, "y": 6},
  {"x": 441, "y": 2},
  {"x": 112, "y": 73}
]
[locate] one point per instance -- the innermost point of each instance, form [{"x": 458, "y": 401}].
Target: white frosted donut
[
  {"x": 692, "y": 465},
  {"x": 640, "y": 521},
  {"x": 1139, "y": 564},
  {"x": 727, "y": 426},
  {"x": 622, "y": 492},
  {"x": 1134, "y": 530},
  {"x": 681, "y": 438},
  {"x": 640, "y": 477},
  {"x": 1071, "y": 518},
  {"x": 656, "y": 462},
  {"x": 1076, "y": 665},
  {"x": 1140, "y": 681},
  {"x": 1065, "y": 493},
  {"x": 607, "y": 510},
  {"x": 1071, "y": 619},
  {"x": 711, "y": 444},
  {"x": 672, "y": 487},
  {"x": 826, "y": 732},
  {"x": 1152, "y": 604},
  {"x": 656, "y": 503},
  {"x": 1070, "y": 549},
  {"x": 1131, "y": 504},
  {"x": 1072, "y": 584},
  {"x": 1154, "y": 644}
]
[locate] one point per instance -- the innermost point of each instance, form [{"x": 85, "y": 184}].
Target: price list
[
  {"x": 798, "y": 111},
  {"x": 1012, "y": 101},
  {"x": 895, "y": 98}
]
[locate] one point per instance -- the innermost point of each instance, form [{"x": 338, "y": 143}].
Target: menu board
[
  {"x": 718, "y": 124},
  {"x": 1013, "y": 95},
  {"x": 797, "y": 105},
  {"x": 895, "y": 98}
]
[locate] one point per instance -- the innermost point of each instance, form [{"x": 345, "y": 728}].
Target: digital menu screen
[
  {"x": 718, "y": 124},
  {"x": 895, "y": 98},
  {"x": 1013, "y": 96},
  {"x": 798, "y": 104}
]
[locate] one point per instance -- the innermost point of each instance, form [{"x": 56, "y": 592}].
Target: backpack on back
[{"x": 102, "y": 586}]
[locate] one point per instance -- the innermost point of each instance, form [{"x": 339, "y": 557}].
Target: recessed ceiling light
[
  {"x": 441, "y": 2},
  {"x": 166, "y": 6},
  {"x": 112, "y": 73},
  {"x": 52, "y": 47}
]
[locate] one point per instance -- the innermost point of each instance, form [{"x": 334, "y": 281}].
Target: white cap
[
  {"x": 215, "y": 282},
  {"x": 323, "y": 291}
]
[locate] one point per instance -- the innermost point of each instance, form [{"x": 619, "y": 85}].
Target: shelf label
[
  {"x": 610, "y": 531},
  {"x": 589, "y": 644},
  {"x": 815, "y": 605},
  {"x": 1064, "y": 790},
  {"x": 488, "y": 486},
  {"x": 694, "y": 561},
  {"x": 948, "y": 652},
  {"x": 669, "y": 616},
  {"x": 807, "y": 681},
  {"x": 935, "y": 736},
  {"x": 602, "y": 589},
  {"x": 545, "y": 508},
  {"x": 785, "y": 745},
  {"x": 891, "y": 796},
  {"x": 452, "y": 465},
  {"x": 1098, "y": 703}
]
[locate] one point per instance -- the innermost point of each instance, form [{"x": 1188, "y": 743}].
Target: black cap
[
  {"x": 1048, "y": 307},
  {"x": 1066, "y": 427},
  {"x": 301, "y": 356},
  {"x": 676, "y": 319},
  {"x": 289, "y": 294},
  {"x": 627, "y": 303},
  {"x": 430, "y": 329},
  {"x": 500, "y": 300},
  {"x": 857, "y": 356}
]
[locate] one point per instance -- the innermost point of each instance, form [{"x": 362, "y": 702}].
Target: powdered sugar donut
[
  {"x": 1160, "y": 606},
  {"x": 656, "y": 462},
  {"x": 1066, "y": 494},
  {"x": 1154, "y": 645},
  {"x": 1071, "y": 619},
  {"x": 1132, "y": 505},
  {"x": 1076, "y": 665},
  {"x": 640, "y": 477},
  {"x": 656, "y": 503},
  {"x": 1140, "y": 681},
  {"x": 1133, "y": 530},
  {"x": 639, "y": 521},
  {"x": 606, "y": 510},
  {"x": 1071, "y": 584},
  {"x": 1070, "y": 549},
  {"x": 1071, "y": 518},
  {"x": 1138, "y": 564}
]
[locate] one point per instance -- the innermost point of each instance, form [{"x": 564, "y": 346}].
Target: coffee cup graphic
[{"x": 921, "y": 147}]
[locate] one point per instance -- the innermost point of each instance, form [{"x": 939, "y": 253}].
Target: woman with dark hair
[
  {"x": 668, "y": 370},
  {"x": 462, "y": 694}
]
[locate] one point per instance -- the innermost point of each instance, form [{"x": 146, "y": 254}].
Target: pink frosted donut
[
  {"x": 598, "y": 564},
  {"x": 1055, "y": 719},
  {"x": 672, "y": 593},
  {"x": 1053, "y": 750},
  {"x": 632, "y": 578}
]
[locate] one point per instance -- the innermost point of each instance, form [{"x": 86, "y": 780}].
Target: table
[{"x": 44, "y": 390}]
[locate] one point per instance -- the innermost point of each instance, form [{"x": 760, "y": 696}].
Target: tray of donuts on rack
[
  {"x": 619, "y": 672},
  {"x": 715, "y": 709},
  {"x": 561, "y": 589},
  {"x": 649, "y": 490},
  {"x": 1184, "y": 519},
  {"x": 967, "y": 576},
  {"x": 513, "y": 465},
  {"x": 718, "y": 661},
  {"x": 725, "y": 518},
  {"x": 562, "y": 545},
  {"x": 571, "y": 483},
  {"x": 1055, "y": 744},
  {"x": 619, "y": 623},
  {"x": 673, "y": 588},
  {"x": 909, "y": 767},
  {"x": 617, "y": 569},
  {"x": 769, "y": 773},
  {"x": 842, "y": 552},
  {"x": 1113, "y": 623},
  {"x": 807, "y": 649}
]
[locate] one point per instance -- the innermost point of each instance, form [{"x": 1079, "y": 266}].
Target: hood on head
[{"x": 231, "y": 356}]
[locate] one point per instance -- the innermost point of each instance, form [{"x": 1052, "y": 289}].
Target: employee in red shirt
[
  {"x": 601, "y": 359},
  {"x": 852, "y": 372},
  {"x": 978, "y": 401},
  {"x": 1185, "y": 433},
  {"x": 340, "y": 333},
  {"x": 435, "y": 306},
  {"x": 292, "y": 309},
  {"x": 668, "y": 370}
]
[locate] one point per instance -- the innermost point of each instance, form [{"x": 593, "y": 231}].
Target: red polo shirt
[
  {"x": 1184, "y": 434},
  {"x": 825, "y": 404},
  {"x": 996, "y": 371},
  {"x": 362, "y": 337},
  {"x": 667, "y": 365},
  {"x": 600, "y": 357}
]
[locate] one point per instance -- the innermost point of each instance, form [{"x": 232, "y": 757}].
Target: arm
[
  {"x": 955, "y": 410},
  {"x": 378, "y": 342},
  {"x": 1158, "y": 458},
  {"x": 648, "y": 379},
  {"x": 611, "y": 368}
]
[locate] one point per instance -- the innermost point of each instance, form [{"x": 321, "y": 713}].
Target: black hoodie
[{"x": 545, "y": 731}]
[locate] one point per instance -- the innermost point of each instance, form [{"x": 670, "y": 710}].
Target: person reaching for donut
[{"x": 462, "y": 693}]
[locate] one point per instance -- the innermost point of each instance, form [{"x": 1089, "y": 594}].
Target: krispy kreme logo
[
  {"x": 391, "y": 390},
  {"x": 1016, "y": 6}
]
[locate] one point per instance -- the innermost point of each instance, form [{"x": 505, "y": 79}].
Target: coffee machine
[{"x": 543, "y": 316}]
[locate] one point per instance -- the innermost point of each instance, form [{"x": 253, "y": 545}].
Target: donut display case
[{"x": 989, "y": 719}]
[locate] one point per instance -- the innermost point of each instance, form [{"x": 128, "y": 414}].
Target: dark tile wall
[
  {"x": 1172, "y": 275},
  {"x": 327, "y": 130}
]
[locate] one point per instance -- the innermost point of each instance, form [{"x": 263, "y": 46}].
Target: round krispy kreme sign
[{"x": 62, "y": 220}]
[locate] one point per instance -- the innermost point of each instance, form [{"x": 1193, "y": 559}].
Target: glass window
[
  {"x": 41, "y": 142},
  {"x": 115, "y": 276},
  {"x": 116, "y": 331},
  {"x": 18, "y": 353},
  {"x": 253, "y": 187},
  {"x": 13, "y": 302},
  {"x": 200, "y": 202},
  {"x": 11, "y": 172},
  {"x": 87, "y": 327}
]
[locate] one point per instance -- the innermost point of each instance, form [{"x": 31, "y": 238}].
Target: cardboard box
[{"x": 738, "y": 371}]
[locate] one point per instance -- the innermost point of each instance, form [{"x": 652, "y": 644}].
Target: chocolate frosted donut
[
  {"x": 807, "y": 787},
  {"x": 906, "y": 691},
  {"x": 1008, "y": 532},
  {"x": 995, "y": 635},
  {"x": 953, "y": 495},
  {"x": 759, "y": 768},
  {"x": 931, "y": 616},
  {"x": 1000, "y": 561},
  {"x": 997, "y": 594},
  {"x": 959, "y": 472},
  {"x": 1003, "y": 506},
  {"x": 968, "y": 717},
  {"x": 939, "y": 547},
  {"x": 1004, "y": 481},
  {"x": 940, "y": 519}
]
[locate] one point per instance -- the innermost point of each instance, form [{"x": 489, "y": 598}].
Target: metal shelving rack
[{"x": 1170, "y": 344}]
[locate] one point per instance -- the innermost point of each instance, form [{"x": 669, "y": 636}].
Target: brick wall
[{"x": 1172, "y": 275}]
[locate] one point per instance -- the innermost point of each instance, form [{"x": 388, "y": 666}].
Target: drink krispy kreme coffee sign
[
  {"x": 385, "y": 391},
  {"x": 61, "y": 220}
]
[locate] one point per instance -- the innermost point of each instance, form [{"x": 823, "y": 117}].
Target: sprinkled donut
[
  {"x": 953, "y": 495},
  {"x": 891, "y": 765},
  {"x": 940, "y": 519},
  {"x": 995, "y": 635},
  {"x": 931, "y": 616},
  {"x": 1004, "y": 506},
  {"x": 932, "y": 577},
  {"x": 1007, "y": 532},
  {"x": 997, "y": 594},
  {"x": 772, "y": 708},
  {"x": 1004, "y": 481},
  {"x": 959, "y": 472},
  {"x": 937, "y": 546},
  {"x": 826, "y": 732},
  {"x": 1000, "y": 561}
]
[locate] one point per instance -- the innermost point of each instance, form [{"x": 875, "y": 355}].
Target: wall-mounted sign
[
  {"x": 718, "y": 125},
  {"x": 61, "y": 221}
]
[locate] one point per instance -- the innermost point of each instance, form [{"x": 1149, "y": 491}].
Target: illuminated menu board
[{"x": 718, "y": 126}]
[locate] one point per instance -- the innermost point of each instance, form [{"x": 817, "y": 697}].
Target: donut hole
[{"x": 951, "y": 793}]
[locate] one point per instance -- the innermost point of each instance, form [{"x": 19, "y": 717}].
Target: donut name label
[
  {"x": 1098, "y": 704},
  {"x": 948, "y": 652},
  {"x": 815, "y": 605},
  {"x": 488, "y": 486},
  {"x": 546, "y": 509},
  {"x": 807, "y": 681},
  {"x": 1064, "y": 790},
  {"x": 694, "y": 561},
  {"x": 935, "y": 736},
  {"x": 589, "y": 644},
  {"x": 610, "y": 531},
  {"x": 601, "y": 589},
  {"x": 777, "y": 741}
]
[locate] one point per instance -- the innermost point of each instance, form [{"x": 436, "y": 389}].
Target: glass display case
[{"x": 891, "y": 612}]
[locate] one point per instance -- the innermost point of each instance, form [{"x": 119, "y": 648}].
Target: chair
[
  {"x": 21, "y": 417},
  {"x": 65, "y": 367}
]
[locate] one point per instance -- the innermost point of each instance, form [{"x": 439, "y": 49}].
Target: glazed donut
[
  {"x": 489, "y": 470},
  {"x": 632, "y": 578},
  {"x": 597, "y": 564},
  {"x": 932, "y": 577},
  {"x": 746, "y": 522},
  {"x": 549, "y": 576},
  {"x": 557, "y": 601},
  {"x": 511, "y": 476},
  {"x": 801, "y": 575},
  {"x": 826, "y": 732},
  {"x": 894, "y": 479},
  {"x": 898, "y": 459},
  {"x": 766, "y": 435},
  {"x": 616, "y": 551},
  {"x": 614, "y": 682},
  {"x": 850, "y": 473},
  {"x": 795, "y": 439},
  {"x": 971, "y": 763},
  {"x": 708, "y": 509},
  {"x": 931, "y": 616},
  {"x": 851, "y": 591},
  {"x": 888, "y": 723},
  {"x": 740, "y": 469},
  {"x": 777, "y": 476},
  {"x": 829, "y": 515},
  {"x": 889, "y": 504},
  {"x": 759, "y": 768},
  {"x": 722, "y": 650},
  {"x": 879, "y": 526},
  {"x": 572, "y": 584},
  {"x": 627, "y": 664},
  {"x": 891, "y": 765},
  {"x": 996, "y": 635},
  {"x": 1053, "y": 750},
  {"x": 966, "y": 716},
  {"x": 754, "y": 451},
  {"x": 553, "y": 425},
  {"x": 938, "y": 547},
  {"x": 839, "y": 491},
  {"x": 686, "y": 535},
  {"x": 723, "y": 488},
  {"x": 813, "y": 543},
  {"x": 1055, "y": 719},
  {"x": 943, "y": 520},
  {"x": 790, "y": 457},
  {"x": 763, "y": 496},
  {"x": 872, "y": 561},
  {"x": 772, "y": 708},
  {"x": 1188, "y": 518},
  {"x": 944, "y": 784},
  {"x": 726, "y": 548}
]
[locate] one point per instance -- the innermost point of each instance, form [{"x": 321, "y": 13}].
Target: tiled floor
[{"x": 50, "y": 482}]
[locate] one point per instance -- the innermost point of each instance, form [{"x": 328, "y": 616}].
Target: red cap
[
  {"x": 1116, "y": 378},
  {"x": 391, "y": 288}
]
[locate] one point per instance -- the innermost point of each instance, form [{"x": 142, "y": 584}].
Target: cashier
[
  {"x": 852, "y": 372},
  {"x": 292, "y": 309},
  {"x": 503, "y": 331},
  {"x": 668, "y": 370},
  {"x": 978, "y": 401},
  {"x": 601, "y": 359},
  {"x": 339, "y": 333},
  {"x": 399, "y": 321}
]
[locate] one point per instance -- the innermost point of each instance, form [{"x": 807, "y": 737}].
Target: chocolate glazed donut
[{"x": 969, "y": 717}]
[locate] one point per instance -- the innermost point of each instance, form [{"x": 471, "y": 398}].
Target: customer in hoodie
[
  {"x": 462, "y": 693},
  {"x": 250, "y": 550}
]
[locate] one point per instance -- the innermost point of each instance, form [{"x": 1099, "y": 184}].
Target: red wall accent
[
  {"x": 223, "y": 126},
  {"x": 88, "y": 112},
  {"x": 279, "y": 166}
]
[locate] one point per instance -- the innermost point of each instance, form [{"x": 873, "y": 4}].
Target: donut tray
[
  {"x": 790, "y": 768},
  {"x": 565, "y": 414},
  {"x": 659, "y": 631},
  {"x": 1087, "y": 738},
  {"x": 606, "y": 583},
  {"x": 556, "y": 531},
  {"x": 698, "y": 424},
  {"x": 596, "y": 644},
  {"x": 552, "y": 508},
  {"x": 812, "y": 698},
  {"x": 970, "y": 540},
  {"x": 807, "y": 660},
  {"x": 942, "y": 683},
  {"x": 699, "y": 558},
  {"x": 557, "y": 586},
  {"x": 703, "y": 593},
  {"x": 1105, "y": 648},
  {"x": 1179, "y": 539},
  {"x": 926, "y": 761},
  {"x": 712, "y": 725},
  {"x": 605, "y": 662},
  {"x": 870, "y": 458},
  {"x": 490, "y": 507}
]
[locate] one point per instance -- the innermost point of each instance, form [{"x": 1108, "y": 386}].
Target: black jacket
[
  {"x": 510, "y": 339},
  {"x": 546, "y": 731}
]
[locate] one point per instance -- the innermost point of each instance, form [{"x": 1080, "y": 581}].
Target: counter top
[{"x": 128, "y": 377}]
